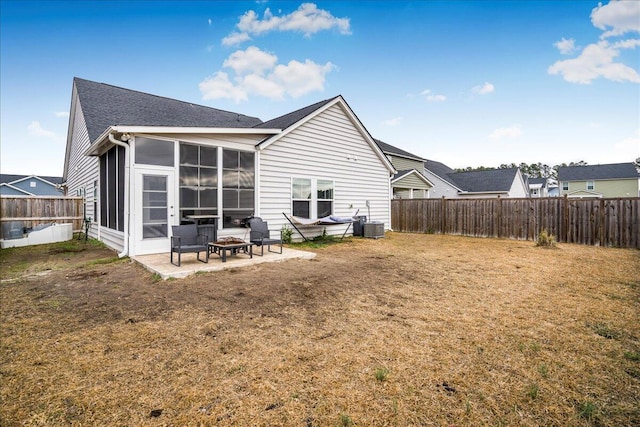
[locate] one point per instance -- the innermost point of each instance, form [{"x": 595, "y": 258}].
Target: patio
[{"x": 159, "y": 263}]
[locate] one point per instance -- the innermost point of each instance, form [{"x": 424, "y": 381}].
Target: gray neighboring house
[
  {"x": 538, "y": 187},
  {"x": 475, "y": 184},
  {"x": 147, "y": 162},
  {"x": 30, "y": 185},
  {"x": 597, "y": 181},
  {"x": 409, "y": 182}
]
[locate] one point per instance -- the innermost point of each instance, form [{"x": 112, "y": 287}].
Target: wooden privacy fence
[
  {"x": 603, "y": 222},
  {"x": 33, "y": 211}
]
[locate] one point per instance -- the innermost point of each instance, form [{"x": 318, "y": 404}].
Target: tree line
[{"x": 532, "y": 170}]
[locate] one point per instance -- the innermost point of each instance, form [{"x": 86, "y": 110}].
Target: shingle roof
[
  {"x": 542, "y": 181},
  {"x": 8, "y": 178},
  {"x": 390, "y": 149},
  {"x": 289, "y": 119},
  {"x": 440, "y": 169},
  {"x": 485, "y": 180},
  {"x": 105, "y": 105},
  {"x": 609, "y": 171}
]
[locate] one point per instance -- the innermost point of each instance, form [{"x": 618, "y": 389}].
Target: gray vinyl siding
[
  {"x": 411, "y": 181},
  {"x": 82, "y": 170},
  {"x": 41, "y": 188},
  {"x": 401, "y": 193},
  {"x": 441, "y": 188},
  {"x": 325, "y": 147},
  {"x": 8, "y": 191},
  {"x": 402, "y": 164}
]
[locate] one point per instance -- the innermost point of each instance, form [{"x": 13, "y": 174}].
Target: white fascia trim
[
  {"x": 354, "y": 119},
  {"x": 417, "y": 159},
  {"x": 414, "y": 172},
  {"x": 197, "y": 130},
  {"x": 33, "y": 177},
  {"x": 26, "y": 193},
  {"x": 95, "y": 148},
  {"x": 267, "y": 142}
]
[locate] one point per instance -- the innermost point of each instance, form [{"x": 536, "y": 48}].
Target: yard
[{"x": 410, "y": 330}]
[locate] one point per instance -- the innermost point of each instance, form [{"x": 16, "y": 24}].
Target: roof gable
[
  {"x": 440, "y": 170},
  {"x": 400, "y": 175},
  {"x": 13, "y": 179},
  {"x": 105, "y": 105},
  {"x": 592, "y": 172},
  {"x": 308, "y": 113},
  {"x": 10, "y": 190},
  {"x": 395, "y": 151},
  {"x": 289, "y": 119}
]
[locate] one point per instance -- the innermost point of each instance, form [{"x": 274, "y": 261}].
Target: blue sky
[{"x": 465, "y": 83}]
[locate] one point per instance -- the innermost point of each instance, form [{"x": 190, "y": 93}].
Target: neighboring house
[
  {"x": 30, "y": 185},
  {"x": 609, "y": 180},
  {"x": 538, "y": 187},
  {"x": 147, "y": 162},
  {"x": 443, "y": 186},
  {"x": 475, "y": 184},
  {"x": 409, "y": 181}
]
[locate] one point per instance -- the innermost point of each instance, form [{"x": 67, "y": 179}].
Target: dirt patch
[{"x": 406, "y": 330}]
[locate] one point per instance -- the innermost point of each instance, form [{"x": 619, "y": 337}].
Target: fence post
[
  {"x": 499, "y": 216},
  {"x": 601, "y": 227},
  {"x": 443, "y": 215},
  {"x": 565, "y": 218}
]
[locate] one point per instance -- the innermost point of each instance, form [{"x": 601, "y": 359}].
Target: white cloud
[
  {"x": 36, "y": 129},
  {"x": 262, "y": 86},
  {"x": 626, "y": 44},
  {"x": 219, "y": 86},
  {"x": 209, "y": 21},
  {"x": 256, "y": 72},
  {"x": 509, "y": 132},
  {"x": 62, "y": 114},
  {"x": 596, "y": 60},
  {"x": 431, "y": 97},
  {"x": 250, "y": 61},
  {"x": 566, "y": 46},
  {"x": 235, "y": 38},
  {"x": 300, "y": 78},
  {"x": 483, "y": 89},
  {"x": 393, "y": 122},
  {"x": 307, "y": 19},
  {"x": 621, "y": 16}
]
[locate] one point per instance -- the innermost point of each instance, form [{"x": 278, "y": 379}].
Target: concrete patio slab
[{"x": 160, "y": 264}]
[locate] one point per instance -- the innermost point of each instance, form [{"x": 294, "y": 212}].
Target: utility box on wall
[{"x": 374, "y": 230}]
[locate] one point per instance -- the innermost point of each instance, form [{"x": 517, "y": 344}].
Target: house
[
  {"x": 475, "y": 184},
  {"x": 538, "y": 187},
  {"x": 30, "y": 185},
  {"x": 596, "y": 181},
  {"x": 409, "y": 181},
  {"x": 147, "y": 162},
  {"x": 443, "y": 185}
]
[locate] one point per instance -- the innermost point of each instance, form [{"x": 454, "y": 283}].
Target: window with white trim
[
  {"x": 198, "y": 180},
  {"x": 238, "y": 186},
  {"x": 591, "y": 185},
  {"x": 311, "y": 197},
  {"x": 565, "y": 186}
]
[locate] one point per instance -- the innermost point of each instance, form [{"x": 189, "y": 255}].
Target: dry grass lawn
[{"x": 410, "y": 330}]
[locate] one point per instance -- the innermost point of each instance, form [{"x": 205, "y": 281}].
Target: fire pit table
[{"x": 230, "y": 246}]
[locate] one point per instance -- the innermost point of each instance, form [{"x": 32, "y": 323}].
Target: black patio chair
[
  {"x": 261, "y": 236},
  {"x": 185, "y": 239}
]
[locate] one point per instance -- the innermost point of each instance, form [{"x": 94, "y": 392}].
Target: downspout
[{"x": 125, "y": 248}]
